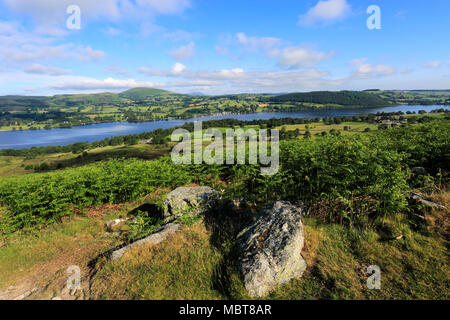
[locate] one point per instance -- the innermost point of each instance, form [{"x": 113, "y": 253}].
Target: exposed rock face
[
  {"x": 271, "y": 247},
  {"x": 190, "y": 200}
]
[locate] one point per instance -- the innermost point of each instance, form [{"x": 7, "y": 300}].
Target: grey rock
[
  {"x": 190, "y": 200},
  {"x": 154, "y": 238},
  {"x": 418, "y": 198},
  {"x": 270, "y": 248}
]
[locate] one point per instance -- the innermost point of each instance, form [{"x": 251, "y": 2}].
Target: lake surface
[{"x": 94, "y": 132}]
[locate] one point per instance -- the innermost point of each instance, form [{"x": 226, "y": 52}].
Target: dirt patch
[{"x": 100, "y": 212}]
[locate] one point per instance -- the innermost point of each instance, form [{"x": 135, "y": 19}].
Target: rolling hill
[
  {"x": 344, "y": 98},
  {"x": 137, "y": 94}
]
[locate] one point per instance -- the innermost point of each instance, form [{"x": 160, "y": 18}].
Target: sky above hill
[{"x": 222, "y": 46}]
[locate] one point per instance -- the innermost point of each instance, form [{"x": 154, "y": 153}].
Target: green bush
[{"x": 45, "y": 198}]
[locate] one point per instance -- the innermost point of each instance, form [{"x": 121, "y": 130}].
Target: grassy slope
[{"x": 142, "y": 93}]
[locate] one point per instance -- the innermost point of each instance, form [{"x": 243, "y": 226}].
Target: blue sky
[{"x": 218, "y": 46}]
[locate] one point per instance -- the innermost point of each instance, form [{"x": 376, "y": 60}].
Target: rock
[
  {"x": 154, "y": 238},
  {"x": 114, "y": 225},
  {"x": 270, "y": 248},
  {"x": 56, "y": 298},
  {"x": 420, "y": 171},
  {"x": 190, "y": 200},
  {"x": 418, "y": 198}
]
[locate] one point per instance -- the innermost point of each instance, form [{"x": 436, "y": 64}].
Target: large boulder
[
  {"x": 270, "y": 248},
  {"x": 190, "y": 201}
]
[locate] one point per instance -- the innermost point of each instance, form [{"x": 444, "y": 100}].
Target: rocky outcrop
[
  {"x": 191, "y": 201},
  {"x": 270, "y": 248},
  {"x": 154, "y": 238}
]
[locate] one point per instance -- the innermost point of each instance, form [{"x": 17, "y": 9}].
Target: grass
[
  {"x": 181, "y": 268},
  {"x": 190, "y": 265},
  {"x": 319, "y": 127}
]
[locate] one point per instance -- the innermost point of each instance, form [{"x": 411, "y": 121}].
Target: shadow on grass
[{"x": 224, "y": 225}]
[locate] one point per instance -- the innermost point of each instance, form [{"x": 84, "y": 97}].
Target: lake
[{"x": 94, "y": 132}]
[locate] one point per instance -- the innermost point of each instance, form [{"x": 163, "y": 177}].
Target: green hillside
[
  {"x": 143, "y": 93},
  {"x": 70, "y": 100},
  {"x": 344, "y": 98}
]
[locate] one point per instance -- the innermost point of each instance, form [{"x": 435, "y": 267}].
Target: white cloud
[
  {"x": 257, "y": 43},
  {"x": 433, "y": 64},
  {"x": 50, "y": 15},
  {"x": 299, "y": 57},
  {"x": 83, "y": 83},
  {"x": 239, "y": 80},
  {"x": 325, "y": 12},
  {"x": 366, "y": 70},
  {"x": 34, "y": 52},
  {"x": 183, "y": 52},
  {"x": 46, "y": 70},
  {"x": 178, "y": 68}
]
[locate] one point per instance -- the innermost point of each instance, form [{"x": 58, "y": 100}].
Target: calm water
[{"x": 94, "y": 132}]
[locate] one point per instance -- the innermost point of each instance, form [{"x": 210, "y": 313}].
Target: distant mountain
[{"x": 137, "y": 94}]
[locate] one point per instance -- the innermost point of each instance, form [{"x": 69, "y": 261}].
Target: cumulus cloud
[
  {"x": 239, "y": 80},
  {"x": 257, "y": 43},
  {"x": 32, "y": 52},
  {"x": 83, "y": 83},
  {"x": 325, "y": 12},
  {"x": 50, "y": 15},
  {"x": 366, "y": 70},
  {"x": 433, "y": 64},
  {"x": 45, "y": 70},
  {"x": 299, "y": 57},
  {"x": 183, "y": 52}
]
